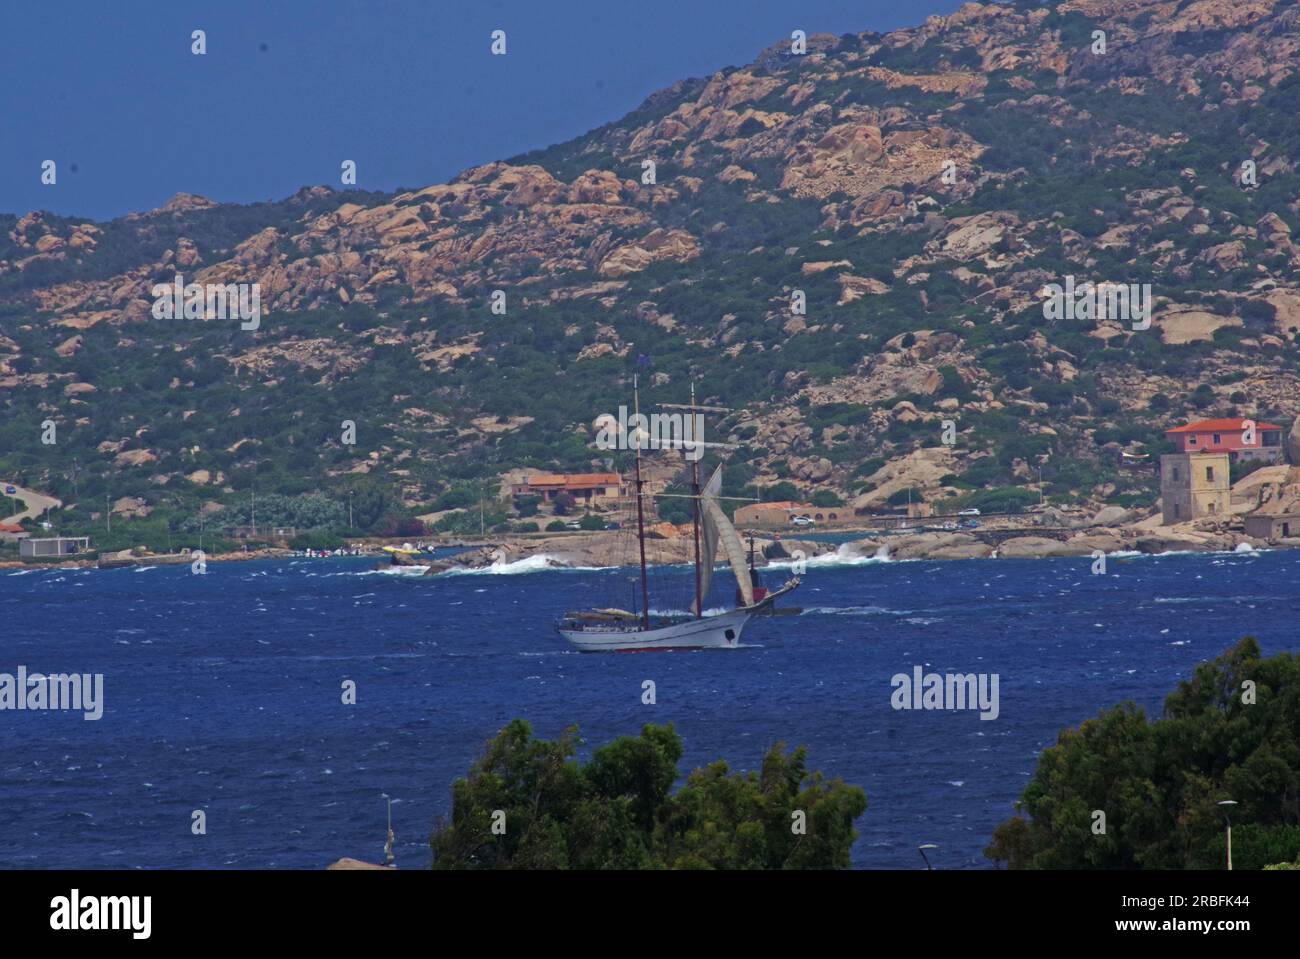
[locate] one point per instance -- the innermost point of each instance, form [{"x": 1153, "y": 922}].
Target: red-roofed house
[
  {"x": 10, "y": 532},
  {"x": 1230, "y": 436},
  {"x": 585, "y": 487}
]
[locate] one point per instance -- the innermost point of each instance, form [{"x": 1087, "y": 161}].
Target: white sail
[
  {"x": 708, "y": 538},
  {"x": 718, "y": 529}
]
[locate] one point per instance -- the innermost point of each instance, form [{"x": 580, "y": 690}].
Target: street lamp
[
  {"x": 1227, "y": 819},
  {"x": 388, "y": 845},
  {"x": 922, "y": 848}
]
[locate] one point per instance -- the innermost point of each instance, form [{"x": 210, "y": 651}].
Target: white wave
[
  {"x": 846, "y": 554},
  {"x": 22, "y": 572},
  {"x": 857, "y": 611},
  {"x": 537, "y": 563},
  {"x": 388, "y": 571}
]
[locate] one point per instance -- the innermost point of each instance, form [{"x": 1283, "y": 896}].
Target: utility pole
[
  {"x": 252, "y": 515},
  {"x": 350, "y": 526},
  {"x": 108, "y": 515},
  {"x": 1228, "y": 819}
]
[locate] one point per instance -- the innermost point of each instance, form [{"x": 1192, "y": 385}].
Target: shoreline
[
  {"x": 607, "y": 549},
  {"x": 995, "y": 541},
  {"x": 161, "y": 559}
]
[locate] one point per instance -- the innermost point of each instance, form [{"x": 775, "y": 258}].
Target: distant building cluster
[
  {"x": 588, "y": 488},
  {"x": 1196, "y": 482}
]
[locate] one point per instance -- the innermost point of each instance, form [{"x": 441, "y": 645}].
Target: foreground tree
[
  {"x": 528, "y": 804},
  {"x": 1120, "y": 792}
]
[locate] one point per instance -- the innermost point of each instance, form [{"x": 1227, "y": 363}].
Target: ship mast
[
  {"x": 695, "y": 443},
  {"x": 695, "y": 512},
  {"x": 640, "y": 513}
]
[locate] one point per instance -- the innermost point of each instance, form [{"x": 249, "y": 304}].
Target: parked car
[
  {"x": 613, "y": 526},
  {"x": 971, "y": 524},
  {"x": 573, "y": 526},
  {"x": 9, "y": 491},
  {"x": 968, "y": 512},
  {"x": 803, "y": 521}
]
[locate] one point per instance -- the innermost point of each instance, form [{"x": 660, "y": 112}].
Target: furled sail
[{"x": 716, "y": 528}]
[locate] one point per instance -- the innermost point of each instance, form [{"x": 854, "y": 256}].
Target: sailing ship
[{"x": 620, "y": 630}]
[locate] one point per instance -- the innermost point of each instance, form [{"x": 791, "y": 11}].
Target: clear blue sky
[{"x": 291, "y": 88}]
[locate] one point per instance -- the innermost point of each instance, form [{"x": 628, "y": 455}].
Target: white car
[
  {"x": 968, "y": 512},
  {"x": 803, "y": 521}
]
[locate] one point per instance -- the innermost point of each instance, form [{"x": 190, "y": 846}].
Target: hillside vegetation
[{"x": 918, "y": 189}]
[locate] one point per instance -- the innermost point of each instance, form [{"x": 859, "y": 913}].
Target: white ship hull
[{"x": 721, "y": 631}]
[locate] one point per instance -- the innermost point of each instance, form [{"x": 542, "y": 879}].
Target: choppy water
[{"x": 223, "y": 693}]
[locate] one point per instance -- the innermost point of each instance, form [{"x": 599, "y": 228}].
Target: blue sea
[{"x": 223, "y": 693}]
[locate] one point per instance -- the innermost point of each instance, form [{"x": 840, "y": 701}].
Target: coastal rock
[
  {"x": 1170, "y": 541},
  {"x": 1034, "y": 547},
  {"x": 1112, "y": 516},
  {"x": 938, "y": 546},
  {"x": 662, "y": 531},
  {"x": 1108, "y": 541},
  {"x": 952, "y": 548}
]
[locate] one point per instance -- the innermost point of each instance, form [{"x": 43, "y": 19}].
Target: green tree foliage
[
  {"x": 618, "y": 810},
  {"x": 825, "y": 497},
  {"x": 1159, "y": 783},
  {"x": 309, "y": 512}
]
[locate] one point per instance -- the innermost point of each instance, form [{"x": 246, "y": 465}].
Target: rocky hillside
[{"x": 916, "y": 190}]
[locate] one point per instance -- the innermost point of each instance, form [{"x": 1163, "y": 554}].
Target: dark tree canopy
[
  {"x": 618, "y": 810},
  {"x": 1232, "y": 732}
]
